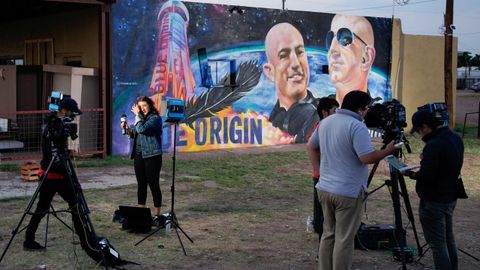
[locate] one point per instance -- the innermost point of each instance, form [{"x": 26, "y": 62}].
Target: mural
[{"x": 248, "y": 78}]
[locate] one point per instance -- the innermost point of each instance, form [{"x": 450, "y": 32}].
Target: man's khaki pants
[{"x": 342, "y": 219}]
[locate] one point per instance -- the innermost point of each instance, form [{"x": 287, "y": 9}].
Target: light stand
[{"x": 172, "y": 218}]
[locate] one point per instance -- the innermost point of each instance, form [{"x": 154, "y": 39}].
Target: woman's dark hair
[
  {"x": 325, "y": 104},
  {"x": 355, "y": 100},
  {"x": 149, "y": 101}
]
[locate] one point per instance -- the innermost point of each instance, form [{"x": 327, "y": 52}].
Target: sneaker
[
  {"x": 159, "y": 221},
  {"x": 32, "y": 245}
]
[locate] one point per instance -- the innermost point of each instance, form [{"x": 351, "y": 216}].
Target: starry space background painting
[{"x": 224, "y": 35}]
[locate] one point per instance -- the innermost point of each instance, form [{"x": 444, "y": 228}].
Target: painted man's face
[
  {"x": 288, "y": 63},
  {"x": 344, "y": 62}
]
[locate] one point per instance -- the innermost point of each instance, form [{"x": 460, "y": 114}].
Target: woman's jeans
[
  {"x": 147, "y": 171},
  {"x": 437, "y": 225}
]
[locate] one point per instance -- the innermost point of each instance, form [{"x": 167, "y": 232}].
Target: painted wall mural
[{"x": 248, "y": 78}]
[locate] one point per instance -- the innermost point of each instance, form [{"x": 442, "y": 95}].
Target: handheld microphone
[{"x": 123, "y": 120}]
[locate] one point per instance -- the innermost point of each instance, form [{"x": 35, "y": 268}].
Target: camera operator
[
  {"x": 341, "y": 147},
  {"x": 54, "y": 138},
  {"x": 436, "y": 185}
]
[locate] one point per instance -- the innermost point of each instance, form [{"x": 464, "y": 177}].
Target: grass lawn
[{"x": 243, "y": 211}]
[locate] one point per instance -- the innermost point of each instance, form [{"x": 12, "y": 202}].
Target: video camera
[
  {"x": 439, "y": 109},
  {"x": 59, "y": 129},
  {"x": 55, "y": 98},
  {"x": 388, "y": 116}
]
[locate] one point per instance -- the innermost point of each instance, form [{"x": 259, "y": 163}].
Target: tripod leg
[
  {"x": 424, "y": 251},
  {"x": 46, "y": 229},
  {"x": 408, "y": 206},
  {"x": 27, "y": 209},
  {"x": 150, "y": 234},
  {"x": 372, "y": 172},
  {"x": 180, "y": 240},
  {"x": 15, "y": 231},
  {"x": 468, "y": 254},
  {"x": 399, "y": 231},
  {"x": 184, "y": 233},
  {"x": 54, "y": 213}
]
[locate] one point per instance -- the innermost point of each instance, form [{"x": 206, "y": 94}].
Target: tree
[
  {"x": 464, "y": 59},
  {"x": 475, "y": 62}
]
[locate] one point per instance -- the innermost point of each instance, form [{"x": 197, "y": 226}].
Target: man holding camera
[
  {"x": 437, "y": 185},
  {"x": 341, "y": 147},
  {"x": 54, "y": 139}
]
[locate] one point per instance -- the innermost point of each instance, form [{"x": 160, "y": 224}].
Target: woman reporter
[{"x": 147, "y": 153}]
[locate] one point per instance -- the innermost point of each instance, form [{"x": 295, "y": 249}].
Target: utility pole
[{"x": 448, "y": 24}]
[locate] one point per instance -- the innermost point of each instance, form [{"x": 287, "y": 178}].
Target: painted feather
[{"x": 218, "y": 98}]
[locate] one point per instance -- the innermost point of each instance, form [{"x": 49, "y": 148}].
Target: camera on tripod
[
  {"x": 60, "y": 128},
  {"x": 389, "y": 116}
]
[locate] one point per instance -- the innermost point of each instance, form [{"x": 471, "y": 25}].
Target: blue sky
[{"x": 422, "y": 17}]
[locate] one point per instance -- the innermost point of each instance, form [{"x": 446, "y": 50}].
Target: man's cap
[
  {"x": 421, "y": 117},
  {"x": 69, "y": 104}
]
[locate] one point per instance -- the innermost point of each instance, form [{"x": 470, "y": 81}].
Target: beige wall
[
  {"x": 418, "y": 69},
  {"x": 75, "y": 33}
]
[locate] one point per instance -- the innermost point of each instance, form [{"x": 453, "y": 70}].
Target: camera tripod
[
  {"x": 397, "y": 188},
  {"x": 172, "y": 218},
  {"x": 80, "y": 215}
]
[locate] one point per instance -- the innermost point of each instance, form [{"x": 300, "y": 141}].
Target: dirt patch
[
  {"x": 99, "y": 178},
  {"x": 467, "y": 101}
]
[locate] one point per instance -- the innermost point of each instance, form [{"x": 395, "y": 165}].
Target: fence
[
  {"x": 465, "y": 83},
  {"x": 478, "y": 121},
  {"x": 20, "y": 134}
]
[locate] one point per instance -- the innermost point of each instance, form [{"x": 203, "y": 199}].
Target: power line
[
  {"x": 470, "y": 33},
  {"x": 376, "y": 7}
]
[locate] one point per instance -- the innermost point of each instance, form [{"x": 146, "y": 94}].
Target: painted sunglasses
[{"x": 344, "y": 36}]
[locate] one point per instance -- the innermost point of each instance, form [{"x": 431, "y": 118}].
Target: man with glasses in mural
[
  {"x": 287, "y": 67},
  {"x": 351, "y": 53}
]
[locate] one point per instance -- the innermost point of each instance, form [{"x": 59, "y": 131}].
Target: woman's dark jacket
[{"x": 440, "y": 166}]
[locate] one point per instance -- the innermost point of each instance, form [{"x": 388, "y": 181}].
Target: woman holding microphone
[{"x": 147, "y": 153}]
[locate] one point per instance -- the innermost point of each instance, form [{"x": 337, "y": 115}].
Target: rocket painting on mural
[{"x": 172, "y": 75}]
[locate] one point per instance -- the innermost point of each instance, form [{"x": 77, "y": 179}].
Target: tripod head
[{"x": 398, "y": 136}]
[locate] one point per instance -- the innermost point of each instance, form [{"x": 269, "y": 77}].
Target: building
[{"x": 65, "y": 45}]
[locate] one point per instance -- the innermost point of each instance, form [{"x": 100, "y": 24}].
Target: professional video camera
[
  {"x": 60, "y": 128},
  {"x": 388, "y": 116},
  {"x": 439, "y": 109}
]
